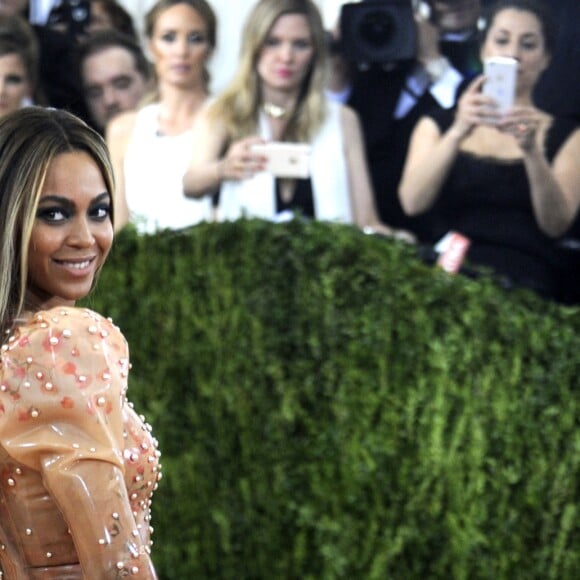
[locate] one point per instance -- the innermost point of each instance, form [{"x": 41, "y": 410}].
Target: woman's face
[
  {"x": 14, "y": 83},
  {"x": 518, "y": 34},
  {"x": 180, "y": 46},
  {"x": 286, "y": 56},
  {"x": 72, "y": 232}
]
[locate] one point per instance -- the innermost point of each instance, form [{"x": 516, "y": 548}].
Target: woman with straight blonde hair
[{"x": 278, "y": 95}]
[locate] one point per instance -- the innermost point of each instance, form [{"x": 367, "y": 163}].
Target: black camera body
[
  {"x": 378, "y": 32},
  {"x": 74, "y": 15}
]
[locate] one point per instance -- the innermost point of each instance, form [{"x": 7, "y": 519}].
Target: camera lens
[
  {"x": 376, "y": 28},
  {"x": 79, "y": 14}
]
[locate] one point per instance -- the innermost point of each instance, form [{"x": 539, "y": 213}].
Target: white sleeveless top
[
  {"x": 154, "y": 169},
  {"x": 256, "y": 197}
]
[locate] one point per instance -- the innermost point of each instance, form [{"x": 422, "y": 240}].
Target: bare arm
[
  {"x": 118, "y": 134},
  {"x": 361, "y": 193},
  {"x": 555, "y": 189},
  {"x": 432, "y": 154},
  {"x": 208, "y": 168},
  {"x": 205, "y": 172}
]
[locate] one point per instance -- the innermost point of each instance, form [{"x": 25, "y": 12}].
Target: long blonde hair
[
  {"x": 30, "y": 139},
  {"x": 238, "y": 106}
]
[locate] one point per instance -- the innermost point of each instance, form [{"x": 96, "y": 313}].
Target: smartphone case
[
  {"x": 286, "y": 159},
  {"x": 500, "y": 84}
]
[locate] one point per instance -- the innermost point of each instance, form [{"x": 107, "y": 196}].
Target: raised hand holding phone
[
  {"x": 290, "y": 160},
  {"x": 474, "y": 108}
]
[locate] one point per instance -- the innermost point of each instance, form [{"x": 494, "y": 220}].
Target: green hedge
[{"x": 330, "y": 407}]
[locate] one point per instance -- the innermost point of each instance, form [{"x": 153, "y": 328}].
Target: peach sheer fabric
[{"x": 78, "y": 467}]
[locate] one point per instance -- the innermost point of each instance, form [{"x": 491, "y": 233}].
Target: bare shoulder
[
  {"x": 208, "y": 120},
  {"x": 210, "y": 129},
  {"x": 573, "y": 140},
  {"x": 427, "y": 126},
  {"x": 121, "y": 126}
]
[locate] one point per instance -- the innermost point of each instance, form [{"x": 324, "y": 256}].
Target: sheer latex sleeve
[{"x": 64, "y": 377}]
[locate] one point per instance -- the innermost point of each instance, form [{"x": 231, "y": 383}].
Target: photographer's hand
[
  {"x": 523, "y": 123},
  {"x": 427, "y": 41},
  {"x": 428, "y": 52}
]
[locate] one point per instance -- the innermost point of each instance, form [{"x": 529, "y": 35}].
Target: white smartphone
[
  {"x": 501, "y": 77},
  {"x": 285, "y": 159}
]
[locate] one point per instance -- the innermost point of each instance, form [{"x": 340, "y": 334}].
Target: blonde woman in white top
[
  {"x": 278, "y": 95},
  {"x": 150, "y": 148}
]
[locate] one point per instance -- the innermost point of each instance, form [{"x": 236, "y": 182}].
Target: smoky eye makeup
[
  {"x": 54, "y": 209},
  {"x": 101, "y": 209},
  {"x": 52, "y": 213}
]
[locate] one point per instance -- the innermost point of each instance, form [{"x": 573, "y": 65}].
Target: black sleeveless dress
[{"x": 488, "y": 200}]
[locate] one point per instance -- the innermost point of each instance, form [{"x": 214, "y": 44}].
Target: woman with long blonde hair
[
  {"x": 278, "y": 95},
  {"x": 151, "y": 147}
]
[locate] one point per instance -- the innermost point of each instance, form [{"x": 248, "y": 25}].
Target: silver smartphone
[
  {"x": 501, "y": 78},
  {"x": 285, "y": 159}
]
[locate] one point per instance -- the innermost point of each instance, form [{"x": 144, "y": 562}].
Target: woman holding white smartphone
[
  {"x": 277, "y": 96},
  {"x": 509, "y": 181}
]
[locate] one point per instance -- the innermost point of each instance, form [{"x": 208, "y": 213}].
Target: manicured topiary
[{"x": 328, "y": 406}]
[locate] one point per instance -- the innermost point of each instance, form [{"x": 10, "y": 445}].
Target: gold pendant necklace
[{"x": 274, "y": 111}]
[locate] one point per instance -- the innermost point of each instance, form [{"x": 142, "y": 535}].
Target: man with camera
[{"x": 402, "y": 59}]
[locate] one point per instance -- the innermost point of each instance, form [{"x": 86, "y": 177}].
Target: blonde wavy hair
[{"x": 238, "y": 106}]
